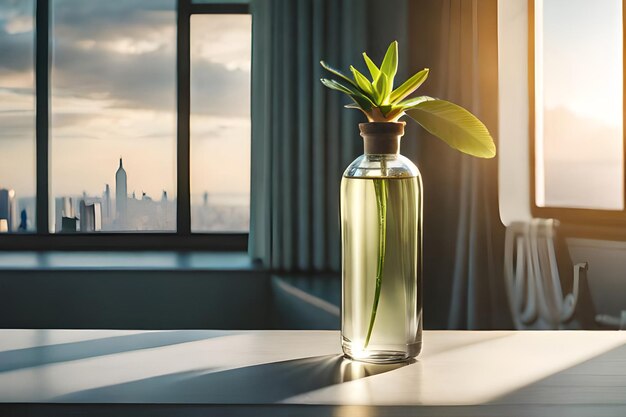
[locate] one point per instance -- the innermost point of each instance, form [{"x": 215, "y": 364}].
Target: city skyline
[{"x": 128, "y": 211}]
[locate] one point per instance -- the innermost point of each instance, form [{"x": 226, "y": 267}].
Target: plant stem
[{"x": 380, "y": 188}]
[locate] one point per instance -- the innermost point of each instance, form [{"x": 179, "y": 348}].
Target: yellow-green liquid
[{"x": 397, "y": 330}]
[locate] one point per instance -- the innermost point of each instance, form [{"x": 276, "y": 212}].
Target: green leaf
[
  {"x": 386, "y": 108},
  {"x": 389, "y": 67},
  {"x": 362, "y": 81},
  {"x": 336, "y": 72},
  {"x": 395, "y": 111},
  {"x": 374, "y": 71},
  {"x": 391, "y": 112},
  {"x": 409, "y": 86},
  {"x": 412, "y": 102},
  {"x": 334, "y": 85},
  {"x": 454, "y": 125},
  {"x": 362, "y": 100},
  {"x": 380, "y": 190},
  {"x": 381, "y": 90}
]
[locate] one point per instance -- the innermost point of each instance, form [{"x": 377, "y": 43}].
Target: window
[
  {"x": 17, "y": 117},
  {"x": 113, "y": 108},
  {"x": 577, "y": 96},
  {"x": 98, "y": 137},
  {"x": 220, "y": 129}
]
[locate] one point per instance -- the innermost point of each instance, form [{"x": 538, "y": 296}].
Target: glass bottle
[{"x": 381, "y": 228}]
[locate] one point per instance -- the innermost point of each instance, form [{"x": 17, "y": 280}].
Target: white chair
[{"x": 533, "y": 284}]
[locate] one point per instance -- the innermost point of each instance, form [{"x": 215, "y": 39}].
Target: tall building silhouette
[
  {"x": 90, "y": 217},
  {"x": 121, "y": 195},
  {"x": 69, "y": 224},
  {"x": 64, "y": 208},
  {"x": 23, "y": 221},
  {"x": 106, "y": 203},
  {"x": 8, "y": 209}
]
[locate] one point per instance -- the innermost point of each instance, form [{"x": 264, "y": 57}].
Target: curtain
[
  {"x": 302, "y": 137},
  {"x": 463, "y": 234}
]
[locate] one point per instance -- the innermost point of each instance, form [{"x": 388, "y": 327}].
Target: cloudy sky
[{"x": 113, "y": 93}]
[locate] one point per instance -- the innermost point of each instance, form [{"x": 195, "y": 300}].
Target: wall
[
  {"x": 607, "y": 272},
  {"x": 134, "y": 299},
  {"x": 166, "y": 290}
]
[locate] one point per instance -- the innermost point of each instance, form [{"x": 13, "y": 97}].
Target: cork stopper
[{"x": 382, "y": 137}]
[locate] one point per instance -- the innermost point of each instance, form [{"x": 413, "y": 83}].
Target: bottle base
[{"x": 375, "y": 355}]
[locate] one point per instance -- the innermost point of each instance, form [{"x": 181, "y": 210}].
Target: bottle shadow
[{"x": 257, "y": 384}]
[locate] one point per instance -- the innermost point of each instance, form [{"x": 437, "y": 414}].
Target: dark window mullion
[
  {"x": 42, "y": 112},
  {"x": 183, "y": 73},
  {"x": 219, "y": 8}
]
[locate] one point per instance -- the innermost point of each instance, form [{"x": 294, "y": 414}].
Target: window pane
[
  {"x": 220, "y": 123},
  {"x": 17, "y": 116},
  {"x": 579, "y": 131},
  {"x": 113, "y": 127}
]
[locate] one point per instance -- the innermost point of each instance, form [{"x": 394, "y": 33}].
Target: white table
[{"x": 292, "y": 373}]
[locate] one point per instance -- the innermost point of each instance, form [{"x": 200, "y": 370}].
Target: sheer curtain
[{"x": 463, "y": 234}]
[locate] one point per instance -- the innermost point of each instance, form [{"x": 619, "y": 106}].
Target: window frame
[
  {"x": 180, "y": 239},
  {"x": 584, "y": 219}
]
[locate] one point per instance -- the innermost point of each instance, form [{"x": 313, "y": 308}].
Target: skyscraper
[
  {"x": 64, "y": 208},
  {"x": 106, "y": 203},
  {"x": 90, "y": 217},
  {"x": 8, "y": 209},
  {"x": 121, "y": 196}
]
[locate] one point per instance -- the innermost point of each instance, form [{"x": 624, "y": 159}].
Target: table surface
[{"x": 111, "y": 372}]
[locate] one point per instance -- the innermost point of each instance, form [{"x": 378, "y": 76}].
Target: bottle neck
[{"x": 382, "y": 138}]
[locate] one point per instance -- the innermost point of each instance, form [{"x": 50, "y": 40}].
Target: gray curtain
[
  {"x": 463, "y": 234},
  {"x": 302, "y": 137}
]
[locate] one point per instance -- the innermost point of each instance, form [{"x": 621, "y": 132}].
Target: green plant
[{"x": 380, "y": 102}]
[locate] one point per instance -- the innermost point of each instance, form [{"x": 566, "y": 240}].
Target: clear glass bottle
[{"x": 381, "y": 228}]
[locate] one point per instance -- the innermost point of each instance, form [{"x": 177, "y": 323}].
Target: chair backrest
[{"x": 533, "y": 282}]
